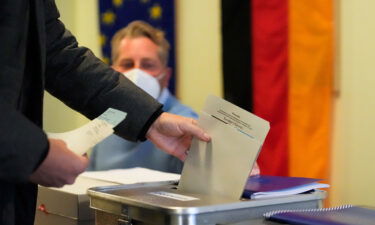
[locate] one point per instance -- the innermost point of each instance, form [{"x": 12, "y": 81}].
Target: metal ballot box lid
[{"x": 165, "y": 205}]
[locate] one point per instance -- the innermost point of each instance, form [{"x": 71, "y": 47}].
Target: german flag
[{"x": 278, "y": 64}]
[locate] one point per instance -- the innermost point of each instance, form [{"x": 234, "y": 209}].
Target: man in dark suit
[{"x": 37, "y": 53}]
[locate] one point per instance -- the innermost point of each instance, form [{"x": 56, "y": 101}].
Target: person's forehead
[{"x": 141, "y": 45}]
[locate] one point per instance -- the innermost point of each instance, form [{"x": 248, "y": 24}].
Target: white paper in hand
[{"x": 83, "y": 138}]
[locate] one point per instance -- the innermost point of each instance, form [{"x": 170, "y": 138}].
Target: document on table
[
  {"x": 83, "y": 138},
  {"x": 221, "y": 167},
  {"x": 132, "y": 176}
]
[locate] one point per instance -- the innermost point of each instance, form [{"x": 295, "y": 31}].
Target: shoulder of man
[{"x": 173, "y": 105}]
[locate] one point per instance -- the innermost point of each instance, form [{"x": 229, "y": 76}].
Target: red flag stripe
[{"x": 270, "y": 80}]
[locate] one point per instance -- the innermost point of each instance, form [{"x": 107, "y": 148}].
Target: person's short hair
[{"x": 137, "y": 29}]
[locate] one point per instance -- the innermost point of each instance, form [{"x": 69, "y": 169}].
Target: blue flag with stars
[{"x": 116, "y": 14}]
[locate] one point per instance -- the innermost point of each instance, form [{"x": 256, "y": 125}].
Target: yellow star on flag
[
  {"x": 144, "y": 1},
  {"x": 103, "y": 39},
  {"x": 117, "y": 3},
  {"x": 155, "y": 12},
  {"x": 108, "y": 17}
]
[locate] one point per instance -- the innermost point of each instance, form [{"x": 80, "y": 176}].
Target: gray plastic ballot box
[
  {"x": 68, "y": 205},
  {"x": 165, "y": 205}
]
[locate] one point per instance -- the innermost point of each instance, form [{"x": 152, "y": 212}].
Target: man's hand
[
  {"x": 174, "y": 133},
  {"x": 255, "y": 171},
  {"x": 60, "y": 167}
]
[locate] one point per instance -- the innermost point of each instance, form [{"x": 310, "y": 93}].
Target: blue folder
[
  {"x": 274, "y": 183},
  {"x": 343, "y": 215}
]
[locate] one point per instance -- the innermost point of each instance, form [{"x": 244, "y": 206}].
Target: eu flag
[{"x": 116, "y": 14}]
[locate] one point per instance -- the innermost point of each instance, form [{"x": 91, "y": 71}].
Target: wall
[
  {"x": 353, "y": 179},
  {"x": 80, "y": 17},
  {"x": 198, "y": 51}
]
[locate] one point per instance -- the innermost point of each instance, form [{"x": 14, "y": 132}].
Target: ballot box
[
  {"x": 68, "y": 205},
  {"x": 166, "y": 205}
]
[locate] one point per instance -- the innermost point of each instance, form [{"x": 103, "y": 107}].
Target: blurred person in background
[{"x": 141, "y": 52}]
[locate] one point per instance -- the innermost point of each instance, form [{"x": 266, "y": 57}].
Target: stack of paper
[
  {"x": 132, "y": 176},
  {"x": 274, "y": 186}
]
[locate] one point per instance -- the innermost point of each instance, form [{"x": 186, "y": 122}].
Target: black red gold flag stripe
[{"x": 291, "y": 78}]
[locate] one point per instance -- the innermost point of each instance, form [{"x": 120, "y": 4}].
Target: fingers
[
  {"x": 60, "y": 167},
  {"x": 176, "y": 147},
  {"x": 173, "y": 134},
  {"x": 255, "y": 171},
  {"x": 84, "y": 163},
  {"x": 192, "y": 128},
  {"x": 182, "y": 156},
  {"x": 183, "y": 148}
]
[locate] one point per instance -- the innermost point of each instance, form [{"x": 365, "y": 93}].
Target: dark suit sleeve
[
  {"x": 23, "y": 145},
  {"x": 86, "y": 84}
]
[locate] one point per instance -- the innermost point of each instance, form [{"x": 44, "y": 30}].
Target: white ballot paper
[
  {"x": 222, "y": 166},
  {"x": 131, "y": 175},
  {"x": 83, "y": 138}
]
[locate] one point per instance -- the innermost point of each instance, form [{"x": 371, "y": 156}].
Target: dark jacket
[{"x": 37, "y": 53}]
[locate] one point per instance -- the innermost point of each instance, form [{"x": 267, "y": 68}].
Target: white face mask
[{"x": 145, "y": 81}]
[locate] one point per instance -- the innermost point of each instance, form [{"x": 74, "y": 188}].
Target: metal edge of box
[{"x": 99, "y": 193}]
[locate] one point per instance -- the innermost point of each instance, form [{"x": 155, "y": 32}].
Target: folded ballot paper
[
  {"x": 221, "y": 167},
  {"x": 83, "y": 138}
]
